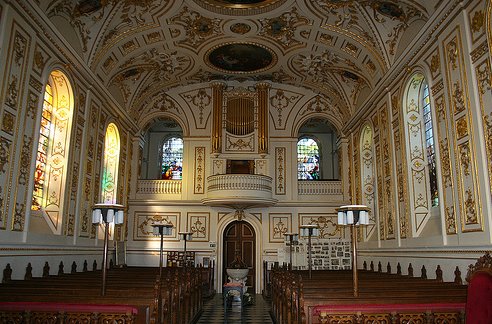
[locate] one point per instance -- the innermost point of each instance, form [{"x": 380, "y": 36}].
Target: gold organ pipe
[
  {"x": 262, "y": 89},
  {"x": 217, "y": 92}
]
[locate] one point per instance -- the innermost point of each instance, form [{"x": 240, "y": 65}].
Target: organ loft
[{"x": 161, "y": 161}]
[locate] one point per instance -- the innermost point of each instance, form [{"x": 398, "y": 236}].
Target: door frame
[{"x": 221, "y": 226}]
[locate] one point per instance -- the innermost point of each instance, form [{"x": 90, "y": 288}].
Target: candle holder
[{"x": 353, "y": 216}]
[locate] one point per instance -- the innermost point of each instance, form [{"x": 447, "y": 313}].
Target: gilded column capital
[
  {"x": 218, "y": 85},
  {"x": 262, "y": 86}
]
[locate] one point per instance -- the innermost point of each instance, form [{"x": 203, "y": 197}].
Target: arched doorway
[{"x": 240, "y": 237}]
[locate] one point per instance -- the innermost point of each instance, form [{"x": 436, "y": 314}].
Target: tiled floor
[{"x": 214, "y": 312}]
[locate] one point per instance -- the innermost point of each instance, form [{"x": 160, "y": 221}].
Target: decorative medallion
[
  {"x": 241, "y": 58},
  {"x": 389, "y": 9},
  {"x": 240, "y": 28},
  {"x": 240, "y": 7}
]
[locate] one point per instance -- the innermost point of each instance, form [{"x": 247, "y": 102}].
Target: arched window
[
  {"x": 429, "y": 143},
  {"x": 111, "y": 162},
  {"x": 308, "y": 159},
  {"x": 172, "y": 158},
  {"x": 53, "y": 150},
  {"x": 420, "y": 152}
]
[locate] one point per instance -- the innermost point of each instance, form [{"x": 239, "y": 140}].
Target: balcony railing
[
  {"x": 329, "y": 188},
  {"x": 159, "y": 187},
  {"x": 239, "y": 190}
]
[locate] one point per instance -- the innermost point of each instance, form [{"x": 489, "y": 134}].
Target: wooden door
[{"x": 240, "y": 236}]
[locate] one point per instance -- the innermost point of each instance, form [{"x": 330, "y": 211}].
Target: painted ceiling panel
[{"x": 142, "y": 48}]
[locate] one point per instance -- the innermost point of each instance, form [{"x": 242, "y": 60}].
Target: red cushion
[{"x": 479, "y": 300}]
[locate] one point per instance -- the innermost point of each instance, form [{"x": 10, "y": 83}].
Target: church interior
[{"x": 236, "y": 127}]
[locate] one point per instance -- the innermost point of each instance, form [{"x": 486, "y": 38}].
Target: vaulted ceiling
[{"x": 338, "y": 48}]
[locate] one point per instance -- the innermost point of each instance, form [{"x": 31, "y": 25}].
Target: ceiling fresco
[
  {"x": 240, "y": 58},
  {"x": 337, "y": 48}
]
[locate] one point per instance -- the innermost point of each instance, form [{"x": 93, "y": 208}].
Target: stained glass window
[
  {"x": 429, "y": 144},
  {"x": 111, "y": 162},
  {"x": 308, "y": 159},
  {"x": 172, "y": 159},
  {"x": 42, "y": 154},
  {"x": 53, "y": 152}
]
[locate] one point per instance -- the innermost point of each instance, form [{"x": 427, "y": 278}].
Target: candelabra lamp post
[
  {"x": 353, "y": 216},
  {"x": 161, "y": 230},
  {"x": 309, "y": 230},
  {"x": 106, "y": 214},
  {"x": 291, "y": 239},
  {"x": 185, "y": 236}
]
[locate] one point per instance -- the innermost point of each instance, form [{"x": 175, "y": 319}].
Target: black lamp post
[
  {"x": 291, "y": 239},
  {"x": 353, "y": 216},
  {"x": 309, "y": 230},
  {"x": 106, "y": 214},
  {"x": 185, "y": 236},
  {"x": 161, "y": 230}
]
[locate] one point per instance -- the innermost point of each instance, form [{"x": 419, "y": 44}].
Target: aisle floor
[{"x": 214, "y": 312}]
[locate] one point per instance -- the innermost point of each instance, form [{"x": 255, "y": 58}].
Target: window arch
[
  {"x": 420, "y": 152},
  {"x": 172, "y": 158},
  {"x": 308, "y": 158},
  {"x": 53, "y": 150},
  {"x": 109, "y": 186},
  {"x": 368, "y": 178}
]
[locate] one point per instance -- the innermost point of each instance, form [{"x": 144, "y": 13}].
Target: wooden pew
[
  {"x": 298, "y": 299},
  {"x": 178, "y": 295}
]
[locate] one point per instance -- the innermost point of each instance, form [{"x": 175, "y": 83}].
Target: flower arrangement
[{"x": 247, "y": 297}]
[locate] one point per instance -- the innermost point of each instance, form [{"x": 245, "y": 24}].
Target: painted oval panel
[{"x": 240, "y": 57}]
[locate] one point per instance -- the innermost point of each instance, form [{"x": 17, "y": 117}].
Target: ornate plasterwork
[
  {"x": 280, "y": 171},
  {"x": 327, "y": 224},
  {"x": 363, "y": 33},
  {"x": 200, "y": 100},
  {"x": 463, "y": 144},
  {"x": 239, "y": 144},
  {"x": 198, "y": 29},
  {"x": 484, "y": 79},
  {"x": 159, "y": 103},
  {"x": 199, "y": 170},
  {"x": 199, "y": 226},
  {"x": 284, "y": 28},
  {"x": 279, "y": 225},
  {"x": 322, "y": 105},
  {"x": 280, "y": 102},
  {"x": 143, "y": 222},
  {"x": 240, "y": 8}
]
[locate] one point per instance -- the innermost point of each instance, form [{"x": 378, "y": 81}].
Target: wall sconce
[
  {"x": 353, "y": 216},
  {"x": 291, "y": 239},
  {"x": 309, "y": 231},
  {"x": 186, "y": 236},
  {"x": 105, "y": 214}
]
